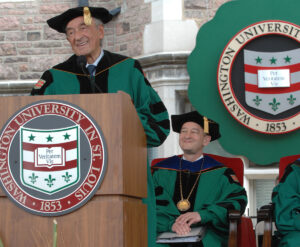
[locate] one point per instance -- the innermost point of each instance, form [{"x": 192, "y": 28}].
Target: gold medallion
[{"x": 183, "y": 205}]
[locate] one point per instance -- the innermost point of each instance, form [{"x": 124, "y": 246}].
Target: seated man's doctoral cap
[
  {"x": 60, "y": 22},
  {"x": 209, "y": 126}
]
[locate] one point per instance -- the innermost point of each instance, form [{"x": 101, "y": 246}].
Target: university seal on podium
[{"x": 52, "y": 158}]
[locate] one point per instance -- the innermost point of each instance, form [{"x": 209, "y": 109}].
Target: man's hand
[
  {"x": 183, "y": 223},
  {"x": 189, "y": 218},
  {"x": 181, "y": 229}
]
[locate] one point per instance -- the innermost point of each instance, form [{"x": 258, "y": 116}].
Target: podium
[{"x": 115, "y": 216}]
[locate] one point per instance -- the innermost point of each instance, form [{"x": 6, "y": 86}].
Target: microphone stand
[{"x": 81, "y": 61}]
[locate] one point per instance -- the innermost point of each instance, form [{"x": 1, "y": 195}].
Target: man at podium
[{"x": 94, "y": 70}]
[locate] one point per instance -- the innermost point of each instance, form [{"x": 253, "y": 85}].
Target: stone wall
[
  {"x": 201, "y": 10},
  {"x": 28, "y": 46}
]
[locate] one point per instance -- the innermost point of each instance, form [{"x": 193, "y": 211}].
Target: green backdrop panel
[{"x": 203, "y": 93}]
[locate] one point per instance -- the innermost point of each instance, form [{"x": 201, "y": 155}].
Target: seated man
[
  {"x": 286, "y": 199},
  {"x": 195, "y": 189}
]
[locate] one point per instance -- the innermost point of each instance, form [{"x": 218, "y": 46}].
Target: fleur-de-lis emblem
[
  {"x": 50, "y": 181},
  {"x": 291, "y": 99},
  {"x": 257, "y": 100},
  {"x": 67, "y": 177},
  {"x": 274, "y": 104},
  {"x": 33, "y": 178}
]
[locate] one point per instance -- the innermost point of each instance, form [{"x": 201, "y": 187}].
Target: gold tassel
[
  {"x": 206, "y": 125},
  {"x": 87, "y": 16}
]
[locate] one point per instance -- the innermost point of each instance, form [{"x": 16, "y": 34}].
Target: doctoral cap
[
  {"x": 209, "y": 126},
  {"x": 60, "y": 22}
]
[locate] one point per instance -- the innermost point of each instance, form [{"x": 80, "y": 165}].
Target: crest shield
[
  {"x": 49, "y": 159},
  {"x": 277, "y": 99}
]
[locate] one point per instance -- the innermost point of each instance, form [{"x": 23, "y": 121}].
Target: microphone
[{"x": 81, "y": 62}]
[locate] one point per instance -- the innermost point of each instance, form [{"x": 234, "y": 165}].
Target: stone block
[
  {"x": 47, "y": 44},
  {"x": 110, "y": 43},
  {"x": 108, "y": 31},
  {"x": 24, "y": 45},
  {"x": 62, "y": 51},
  {"x": 31, "y": 52},
  {"x": 53, "y": 8},
  {"x": 30, "y": 76},
  {"x": 197, "y": 4},
  {"x": 134, "y": 3},
  {"x": 15, "y": 36},
  {"x": 110, "y": 48},
  {"x": 28, "y": 5},
  {"x": 39, "y": 19},
  {"x": 41, "y": 64},
  {"x": 212, "y": 13},
  {"x": 143, "y": 17},
  {"x": 218, "y": 3},
  {"x": 8, "y": 50},
  {"x": 50, "y": 34},
  {"x": 16, "y": 60},
  {"x": 7, "y": 5},
  {"x": 122, "y": 28},
  {"x": 135, "y": 49},
  {"x": 9, "y": 23},
  {"x": 135, "y": 29},
  {"x": 23, "y": 67},
  {"x": 31, "y": 27},
  {"x": 8, "y": 72},
  {"x": 16, "y": 12},
  {"x": 33, "y": 36},
  {"x": 196, "y": 14},
  {"x": 123, "y": 47},
  {"x": 29, "y": 20},
  {"x": 65, "y": 43}
]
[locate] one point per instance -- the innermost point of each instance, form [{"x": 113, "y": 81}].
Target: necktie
[{"x": 91, "y": 68}]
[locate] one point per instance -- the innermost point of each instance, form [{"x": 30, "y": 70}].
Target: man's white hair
[{"x": 98, "y": 22}]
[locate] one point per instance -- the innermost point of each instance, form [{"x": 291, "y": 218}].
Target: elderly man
[
  {"x": 286, "y": 199},
  {"x": 94, "y": 70},
  {"x": 194, "y": 189}
]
